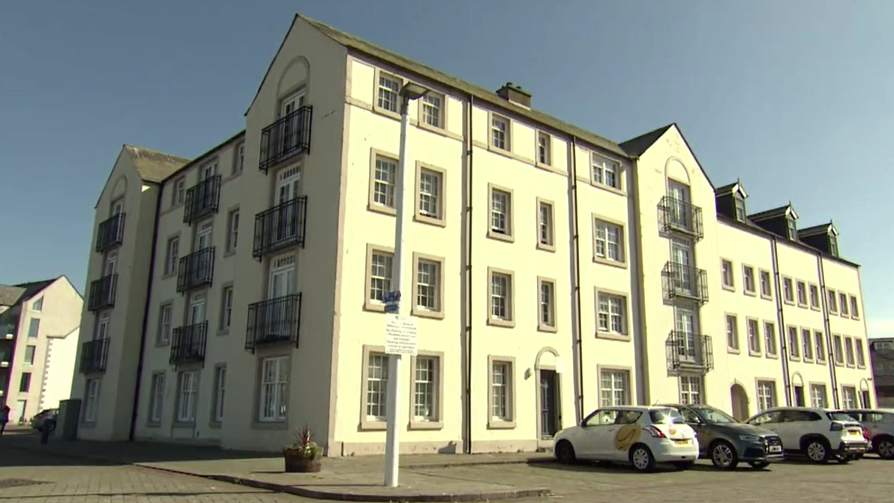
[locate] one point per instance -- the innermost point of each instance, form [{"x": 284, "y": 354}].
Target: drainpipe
[
  {"x": 467, "y": 291},
  {"x": 575, "y": 278},
  {"x": 640, "y": 346},
  {"x": 136, "y": 391},
  {"x": 830, "y": 348},
  {"x": 783, "y": 331}
]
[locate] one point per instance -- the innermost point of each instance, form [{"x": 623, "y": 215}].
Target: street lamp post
[{"x": 408, "y": 92}]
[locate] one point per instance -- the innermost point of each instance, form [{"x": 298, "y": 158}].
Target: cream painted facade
[{"x": 534, "y": 258}]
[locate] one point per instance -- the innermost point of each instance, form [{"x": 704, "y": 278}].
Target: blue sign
[
  {"x": 391, "y": 308},
  {"x": 389, "y": 297}
]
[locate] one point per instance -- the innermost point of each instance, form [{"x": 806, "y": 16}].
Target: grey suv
[{"x": 727, "y": 441}]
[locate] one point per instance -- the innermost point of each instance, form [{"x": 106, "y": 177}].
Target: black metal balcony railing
[
  {"x": 102, "y": 293},
  {"x": 196, "y": 269},
  {"x": 285, "y": 138},
  {"x": 188, "y": 344},
  {"x": 675, "y": 215},
  {"x": 273, "y": 321},
  {"x": 689, "y": 352},
  {"x": 281, "y": 226},
  {"x": 110, "y": 233},
  {"x": 682, "y": 281},
  {"x": 202, "y": 199},
  {"x": 94, "y": 356}
]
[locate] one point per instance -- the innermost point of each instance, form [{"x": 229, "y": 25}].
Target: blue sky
[{"x": 792, "y": 97}]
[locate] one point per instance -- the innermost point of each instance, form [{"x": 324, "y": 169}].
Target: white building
[{"x": 552, "y": 271}]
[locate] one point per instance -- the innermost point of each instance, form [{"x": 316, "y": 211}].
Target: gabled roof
[
  {"x": 827, "y": 228},
  {"x": 154, "y": 166},
  {"x": 378, "y": 52},
  {"x": 788, "y": 211},
  {"x": 730, "y": 189},
  {"x": 636, "y": 147},
  {"x": 10, "y": 295}
]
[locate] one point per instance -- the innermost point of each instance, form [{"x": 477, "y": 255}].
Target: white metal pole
[{"x": 392, "y": 404}]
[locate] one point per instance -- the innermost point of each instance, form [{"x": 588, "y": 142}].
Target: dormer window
[
  {"x": 792, "y": 228},
  {"x": 740, "y": 208},
  {"x": 833, "y": 245}
]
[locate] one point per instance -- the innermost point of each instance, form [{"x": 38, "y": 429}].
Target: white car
[
  {"x": 879, "y": 425},
  {"x": 640, "y": 435},
  {"x": 819, "y": 434}
]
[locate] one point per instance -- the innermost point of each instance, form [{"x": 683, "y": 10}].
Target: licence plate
[
  {"x": 775, "y": 448},
  {"x": 681, "y": 442},
  {"x": 855, "y": 433}
]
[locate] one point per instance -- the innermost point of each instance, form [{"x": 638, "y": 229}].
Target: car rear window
[
  {"x": 666, "y": 416},
  {"x": 840, "y": 416}
]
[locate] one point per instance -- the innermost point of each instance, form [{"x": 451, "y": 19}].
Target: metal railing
[
  {"x": 678, "y": 216},
  {"x": 188, "y": 344},
  {"x": 110, "y": 233},
  {"x": 682, "y": 281},
  {"x": 273, "y": 321},
  {"x": 287, "y": 137},
  {"x": 102, "y": 293},
  {"x": 202, "y": 199},
  {"x": 95, "y": 356},
  {"x": 687, "y": 351},
  {"x": 196, "y": 269},
  {"x": 279, "y": 227}
]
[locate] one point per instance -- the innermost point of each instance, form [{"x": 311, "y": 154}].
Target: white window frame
[
  {"x": 813, "y": 296},
  {"x": 226, "y": 307},
  {"x": 788, "y": 290},
  {"x": 748, "y": 282},
  {"x": 605, "y": 171},
  {"x": 220, "y": 387},
  {"x": 726, "y": 273},
  {"x": 428, "y": 285},
  {"x": 187, "y": 396},
  {"x": 732, "y": 331},
  {"x": 608, "y": 241},
  {"x": 843, "y": 305},
  {"x": 691, "y": 389},
  {"x": 172, "y": 255},
  {"x": 425, "y": 389},
  {"x": 766, "y": 395},
  {"x": 848, "y": 397},
  {"x": 500, "y": 212},
  {"x": 377, "y": 374},
  {"x": 850, "y": 358},
  {"x": 794, "y": 343},
  {"x": 807, "y": 345},
  {"x": 612, "y": 313},
  {"x": 91, "y": 400},
  {"x": 544, "y": 148},
  {"x": 545, "y": 231},
  {"x": 838, "y": 349},
  {"x": 165, "y": 323},
  {"x": 232, "y": 230},
  {"x": 432, "y": 109},
  {"x": 801, "y": 293},
  {"x": 500, "y": 132},
  {"x": 388, "y": 89},
  {"x": 274, "y": 385},
  {"x": 614, "y": 387},
  {"x": 157, "y": 394},
  {"x": 501, "y": 391},
  {"x": 752, "y": 327},
  {"x": 766, "y": 286},
  {"x": 501, "y": 296},
  {"x": 380, "y": 274},
  {"x": 819, "y": 398},
  {"x": 770, "y": 346},
  {"x": 547, "y": 303},
  {"x": 430, "y": 193},
  {"x": 384, "y": 181},
  {"x": 819, "y": 344}
]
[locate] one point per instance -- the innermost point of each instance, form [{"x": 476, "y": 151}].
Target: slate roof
[
  {"x": 817, "y": 229},
  {"x": 152, "y": 165},
  {"x": 771, "y": 213},
  {"x": 11, "y": 295},
  {"x": 637, "y": 146}
]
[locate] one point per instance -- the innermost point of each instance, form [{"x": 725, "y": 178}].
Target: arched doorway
[
  {"x": 548, "y": 395},
  {"x": 740, "y": 402}
]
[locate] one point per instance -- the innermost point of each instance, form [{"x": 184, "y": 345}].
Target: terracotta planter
[{"x": 299, "y": 464}]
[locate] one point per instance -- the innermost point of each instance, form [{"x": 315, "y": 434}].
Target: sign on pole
[
  {"x": 400, "y": 335},
  {"x": 391, "y": 300}
]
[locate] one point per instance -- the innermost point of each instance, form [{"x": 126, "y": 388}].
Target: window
[
  {"x": 102, "y": 326},
  {"x": 177, "y": 193},
  {"x": 788, "y": 293},
  {"x": 605, "y": 171},
  {"x": 754, "y": 336},
  {"x": 239, "y": 161},
  {"x": 226, "y": 307},
  {"x": 726, "y": 268},
  {"x": 748, "y": 279},
  {"x": 547, "y": 314},
  {"x": 186, "y": 397},
  {"x": 794, "y": 346},
  {"x": 807, "y": 344},
  {"x": 819, "y": 342},
  {"x": 156, "y": 398},
  {"x": 607, "y": 241},
  {"x": 814, "y": 297},
  {"x": 766, "y": 285},
  {"x": 430, "y": 198},
  {"x": 376, "y": 386},
  {"x": 34, "y": 327},
  {"x": 29, "y": 354},
  {"x": 732, "y": 332},
  {"x": 545, "y": 232},
  {"x": 614, "y": 388},
  {"x": 501, "y": 391},
  {"x": 818, "y": 396},
  {"x": 792, "y": 229},
  {"x": 220, "y": 389},
  {"x": 388, "y": 92},
  {"x": 500, "y": 212},
  {"x": 544, "y": 149},
  {"x": 232, "y": 230},
  {"x": 499, "y": 130},
  {"x": 273, "y": 396},
  {"x": 740, "y": 208},
  {"x": 690, "y": 389},
  {"x": 770, "y": 338},
  {"x": 802, "y": 294},
  {"x": 37, "y": 305},
  {"x": 855, "y": 310},
  {"x": 833, "y": 302},
  {"x": 766, "y": 395},
  {"x": 165, "y": 315},
  {"x": 172, "y": 251},
  {"x": 427, "y": 285},
  {"x": 380, "y": 264},
  {"x": 849, "y": 351},
  {"x": 612, "y": 314},
  {"x": 501, "y": 297},
  {"x": 25, "y": 382},
  {"x": 91, "y": 400},
  {"x": 384, "y": 182},
  {"x": 425, "y": 389},
  {"x": 842, "y": 304},
  {"x": 838, "y": 349},
  {"x": 861, "y": 355},
  {"x": 433, "y": 109},
  {"x": 848, "y": 397}
]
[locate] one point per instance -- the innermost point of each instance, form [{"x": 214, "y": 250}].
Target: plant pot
[{"x": 300, "y": 464}]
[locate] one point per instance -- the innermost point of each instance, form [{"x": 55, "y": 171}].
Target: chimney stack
[{"x": 515, "y": 94}]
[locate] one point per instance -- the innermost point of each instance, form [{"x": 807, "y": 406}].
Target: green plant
[{"x": 304, "y": 446}]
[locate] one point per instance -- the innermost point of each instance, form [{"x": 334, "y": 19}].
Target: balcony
[
  {"x": 685, "y": 282},
  {"x": 688, "y": 352},
  {"x": 188, "y": 344},
  {"x": 280, "y": 227},
  {"x": 110, "y": 233},
  {"x": 7, "y": 331},
  {"x": 4, "y": 359},
  {"x": 202, "y": 199},
  {"x": 273, "y": 321},
  {"x": 102, "y": 293},
  {"x": 285, "y": 138},
  {"x": 676, "y": 216},
  {"x": 195, "y": 270},
  {"x": 95, "y": 356}
]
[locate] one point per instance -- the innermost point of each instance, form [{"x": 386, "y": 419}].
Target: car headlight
[{"x": 751, "y": 439}]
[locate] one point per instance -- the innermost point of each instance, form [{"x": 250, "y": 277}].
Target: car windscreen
[
  {"x": 840, "y": 416},
  {"x": 666, "y": 416},
  {"x": 712, "y": 415}
]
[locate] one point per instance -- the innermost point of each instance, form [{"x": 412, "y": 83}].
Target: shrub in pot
[{"x": 303, "y": 455}]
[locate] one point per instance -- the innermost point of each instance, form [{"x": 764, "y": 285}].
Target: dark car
[
  {"x": 45, "y": 418},
  {"x": 727, "y": 441}
]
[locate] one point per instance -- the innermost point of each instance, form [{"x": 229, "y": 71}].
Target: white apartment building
[
  {"x": 239, "y": 294},
  {"x": 38, "y": 344}
]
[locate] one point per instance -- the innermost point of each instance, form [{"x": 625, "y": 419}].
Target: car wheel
[
  {"x": 724, "y": 456},
  {"x": 50, "y": 425},
  {"x": 817, "y": 451},
  {"x": 884, "y": 447},
  {"x": 641, "y": 458},
  {"x": 684, "y": 465},
  {"x": 759, "y": 465},
  {"x": 565, "y": 452}
]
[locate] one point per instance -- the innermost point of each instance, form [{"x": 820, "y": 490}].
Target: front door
[
  {"x": 549, "y": 403},
  {"x": 681, "y": 251},
  {"x": 687, "y": 346},
  {"x": 288, "y": 185}
]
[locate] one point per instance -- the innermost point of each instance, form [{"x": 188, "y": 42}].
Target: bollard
[{"x": 44, "y": 434}]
